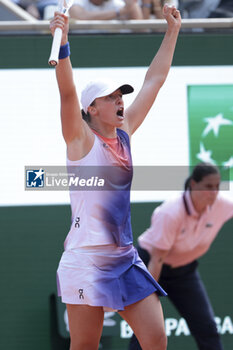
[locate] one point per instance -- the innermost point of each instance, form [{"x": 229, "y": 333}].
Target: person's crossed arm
[{"x": 130, "y": 10}]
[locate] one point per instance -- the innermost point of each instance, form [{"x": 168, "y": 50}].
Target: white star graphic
[
  {"x": 228, "y": 163},
  {"x": 38, "y": 174},
  {"x": 214, "y": 124},
  {"x": 204, "y": 155}
]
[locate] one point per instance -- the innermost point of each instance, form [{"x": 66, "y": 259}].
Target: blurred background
[{"x": 34, "y": 224}]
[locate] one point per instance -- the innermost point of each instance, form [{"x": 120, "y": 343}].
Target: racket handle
[{"x": 53, "y": 59}]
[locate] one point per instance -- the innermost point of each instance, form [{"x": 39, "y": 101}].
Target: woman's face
[
  {"x": 110, "y": 109},
  {"x": 205, "y": 191}
]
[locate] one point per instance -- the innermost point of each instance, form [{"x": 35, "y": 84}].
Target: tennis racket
[{"x": 63, "y": 7}]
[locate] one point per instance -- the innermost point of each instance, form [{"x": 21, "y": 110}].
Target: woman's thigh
[
  {"x": 146, "y": 319},
  {"x": 85, "y": 324}
]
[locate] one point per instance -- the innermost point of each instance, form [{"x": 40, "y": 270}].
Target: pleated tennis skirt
[{"x": 108, "y": 276}]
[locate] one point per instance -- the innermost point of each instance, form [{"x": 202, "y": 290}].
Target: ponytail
[
  {"x": 187, "y": 183},
  {"x": 86, "y": 116}
]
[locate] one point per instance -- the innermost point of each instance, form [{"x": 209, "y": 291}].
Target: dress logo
[
  {"x": 77, "y": 222},
  {"x": 81, "y": 296}
]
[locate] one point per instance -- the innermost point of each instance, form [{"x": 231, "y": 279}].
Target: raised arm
[
  {"x": 156, "y": 74},
  {"x": 75, "y": 131}
]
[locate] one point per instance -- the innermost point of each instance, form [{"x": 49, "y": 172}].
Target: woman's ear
[
  {"x": 192, "y": 184},
  {"x": 92, "y": 110}
]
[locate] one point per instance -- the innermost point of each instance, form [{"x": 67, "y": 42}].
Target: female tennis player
[
  {"x": 182, "y": 230},
  {"x": 100, "y": 269}
]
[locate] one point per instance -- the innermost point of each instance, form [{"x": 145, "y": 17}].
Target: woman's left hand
[{"x": 172, "y": 16}]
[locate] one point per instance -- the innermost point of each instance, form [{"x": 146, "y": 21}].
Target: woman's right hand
[{"x": 60, "y": 21}]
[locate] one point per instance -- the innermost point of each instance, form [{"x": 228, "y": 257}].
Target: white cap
[{"x": 95, "y": 89}]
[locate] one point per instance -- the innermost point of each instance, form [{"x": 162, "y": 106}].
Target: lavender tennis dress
[{"x": 100, "y": 266}]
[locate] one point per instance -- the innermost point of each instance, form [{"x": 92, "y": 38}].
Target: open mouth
[{"x": 120, "y": 112}]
